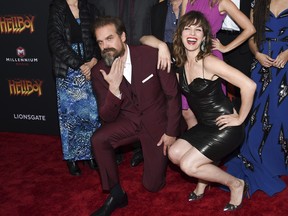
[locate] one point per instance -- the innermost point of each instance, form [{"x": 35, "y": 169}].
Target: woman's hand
[
  {"x": 86, "y": 71},
  {"x": 281, "y": 60},
  {"x": 228, "y": 120},
  {"x": 86, "y": 68},
  {"x": 91, "y": 63},
  {"x": 164, "y": 57},
  {"x": 264, "y": 60}
]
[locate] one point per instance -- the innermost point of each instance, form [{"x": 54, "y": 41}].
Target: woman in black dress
[{"x": 219, "y": 130}]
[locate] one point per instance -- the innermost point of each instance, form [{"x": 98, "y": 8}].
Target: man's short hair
[{"x": 108, "y": 20}]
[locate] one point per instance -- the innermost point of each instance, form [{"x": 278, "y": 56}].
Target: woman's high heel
[
  {"x": 232, "y": 207},
  {"x": 193, "y": 196}
]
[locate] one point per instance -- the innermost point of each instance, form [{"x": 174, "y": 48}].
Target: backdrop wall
[{"x": 27, "y": 87}]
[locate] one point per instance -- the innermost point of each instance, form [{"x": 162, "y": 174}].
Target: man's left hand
[{"x": 167, "y": 141}]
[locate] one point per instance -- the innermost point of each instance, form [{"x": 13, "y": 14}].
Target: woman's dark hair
[
  {"x": 108, "y": 20},
  {"x": 191, "y": 18},
  {"x": 260, "y": 17}
]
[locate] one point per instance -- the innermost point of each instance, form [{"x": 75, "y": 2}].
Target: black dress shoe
[
  {"x": 110, "y": 205},
  {"x": 119, "y": 158},
  {"x": 92, "y": 164},
  {"x": 137, "y": 159},
  {"x": 73, "y": 168}
]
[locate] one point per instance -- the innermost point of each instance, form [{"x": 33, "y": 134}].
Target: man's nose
[{"x": 106, "y": 45}]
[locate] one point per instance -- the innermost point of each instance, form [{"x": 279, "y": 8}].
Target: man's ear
[{"x": 123, "y": 37}]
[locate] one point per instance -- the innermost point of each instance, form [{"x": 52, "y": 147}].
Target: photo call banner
[{"x": 27, "y": 85}]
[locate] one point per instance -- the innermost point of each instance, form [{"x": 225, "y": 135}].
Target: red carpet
[{"x": 35, "y": 181}]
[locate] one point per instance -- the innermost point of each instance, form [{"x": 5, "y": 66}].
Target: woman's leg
[
  {"x": 195, "y": 164},
  {"x": 176, "y": 151}
]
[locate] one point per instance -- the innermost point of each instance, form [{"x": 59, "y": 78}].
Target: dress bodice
[{"x": 205, "y": 98}]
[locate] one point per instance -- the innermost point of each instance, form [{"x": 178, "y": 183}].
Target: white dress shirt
[{"x": 128, "y": 66}]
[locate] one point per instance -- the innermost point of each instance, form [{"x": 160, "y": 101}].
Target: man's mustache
[{"x": 108, "y": 50}]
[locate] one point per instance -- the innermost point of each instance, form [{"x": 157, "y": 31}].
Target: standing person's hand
[
  {"x": 264, "y": 59},
  {"x": 86, "y": 71},
  {"x": 281, "y": 60},
  {"x": 217, "y": 45},
  {"x": 86, "y": 68}
]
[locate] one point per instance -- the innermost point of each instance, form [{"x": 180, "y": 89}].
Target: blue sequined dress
[
  {"x": 77, "y": 111},
  {"x": 263, "y": 157}
]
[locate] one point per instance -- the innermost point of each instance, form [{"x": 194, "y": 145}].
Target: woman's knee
[
  {"x": 188, "y": 166},
  {"x": 174, "y": 154}
]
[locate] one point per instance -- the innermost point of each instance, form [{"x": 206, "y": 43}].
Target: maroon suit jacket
[{"x": 153, "y": 97}]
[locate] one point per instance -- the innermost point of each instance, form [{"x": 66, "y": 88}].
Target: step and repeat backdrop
[{"x": 27, "y": 86}]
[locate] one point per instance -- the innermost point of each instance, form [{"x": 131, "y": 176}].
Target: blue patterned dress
[
  {"x": 77, "y": 111},
  {"x": 263, "y": 157}
]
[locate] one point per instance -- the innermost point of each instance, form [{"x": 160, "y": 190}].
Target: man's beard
[{"x": 110, "y": 54}]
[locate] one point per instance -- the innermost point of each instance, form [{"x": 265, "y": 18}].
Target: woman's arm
[
  {"x": 264, "y": 60},
  {"x": 242, "y": 21},
  {"x": 246, "y": 85},
  {"x": 183, "y": 7},
  {"x": 164, "y": 56}
]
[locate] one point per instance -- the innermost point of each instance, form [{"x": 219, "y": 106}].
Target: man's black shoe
[
  {"x": 137, "y": 159},
  {"x": 119, "y": 158},
  {"x": 110, "y": 205}
]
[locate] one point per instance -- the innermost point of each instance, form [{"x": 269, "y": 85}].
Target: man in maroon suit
[{"x": 136, "y": 102}]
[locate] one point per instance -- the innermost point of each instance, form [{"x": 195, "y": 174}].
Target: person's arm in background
[
  {"x": 184, "y": 5},
  {"x": 263, "y": 59},
  {"x": 56, "y": 40},
  {"x": 227, "y": 6}
]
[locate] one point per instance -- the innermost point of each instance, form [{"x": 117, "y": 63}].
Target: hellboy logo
[
  {"x": 25, "y": 87},
  {"x": 21, "y": 52},
  {"x": 16, "y": 24}
]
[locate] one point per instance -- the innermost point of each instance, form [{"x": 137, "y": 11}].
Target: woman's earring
[{"x": 202, "y": 47}]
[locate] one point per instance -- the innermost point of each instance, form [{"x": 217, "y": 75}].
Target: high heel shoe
[
  {"x": 193, "y": 196},
  {"x": 232, "y": 207}
]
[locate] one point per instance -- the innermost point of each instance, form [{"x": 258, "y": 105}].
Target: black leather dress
[{"x": 207, "y": 101}]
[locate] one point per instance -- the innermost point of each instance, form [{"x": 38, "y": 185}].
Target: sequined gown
[
  {"x": 77, "y": 111},
  {"x": 264, "y": 154}
]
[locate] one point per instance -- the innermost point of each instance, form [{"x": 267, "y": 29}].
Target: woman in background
[
  {"x": 74, "y": 53},
  {"x": 263, "y": 158}
]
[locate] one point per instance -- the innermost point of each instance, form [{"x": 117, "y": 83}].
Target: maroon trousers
[{"x": 123, "y": 132}]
